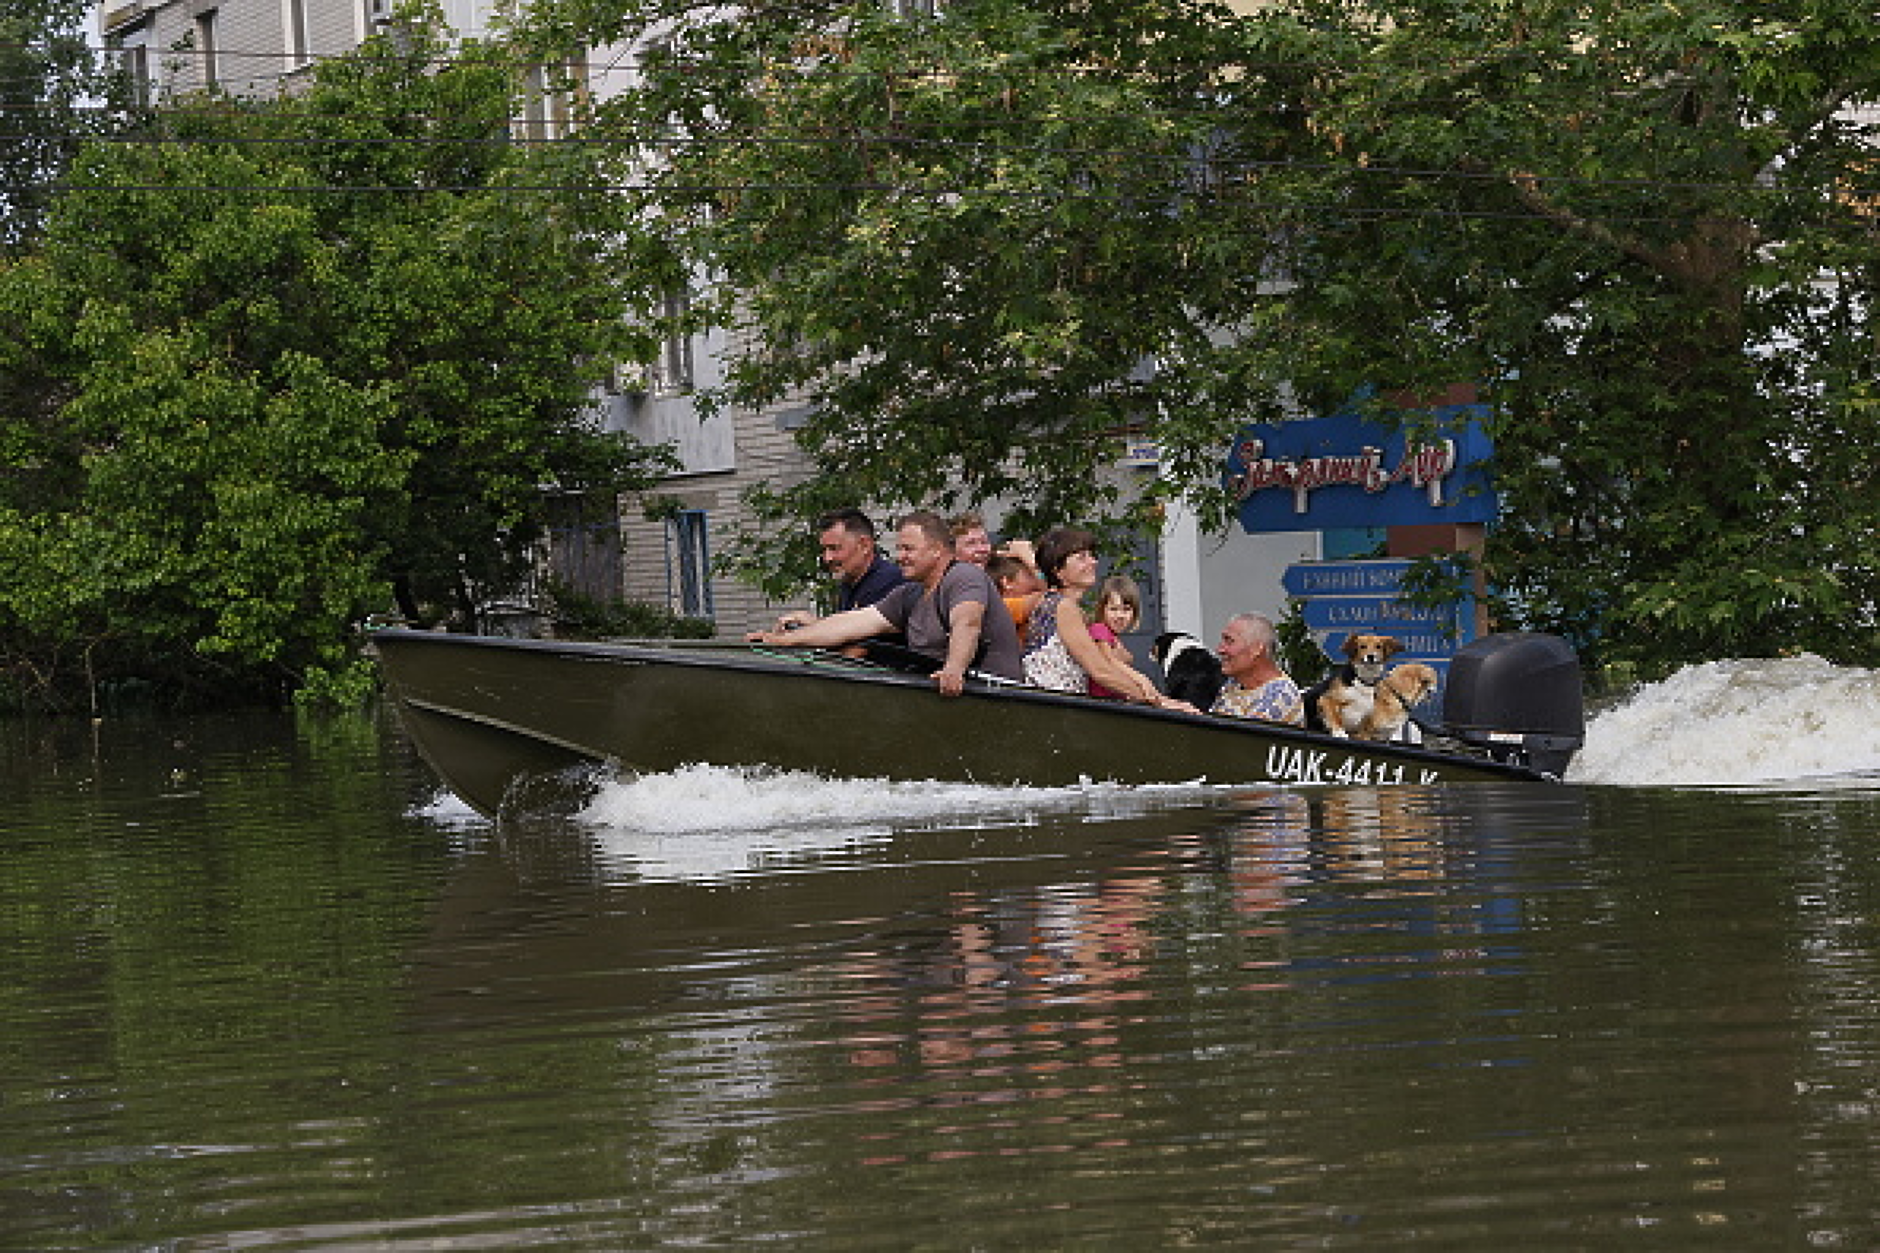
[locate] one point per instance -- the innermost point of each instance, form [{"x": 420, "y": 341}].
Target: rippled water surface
[{"x": 262, "y": 986}]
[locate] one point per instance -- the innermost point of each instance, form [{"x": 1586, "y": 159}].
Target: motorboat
[{"x": 488, "y": 713}]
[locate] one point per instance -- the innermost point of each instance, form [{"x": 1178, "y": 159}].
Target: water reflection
[
  {"x": 292, "y": 1000},
  {"x": 936, "y": 1008}
]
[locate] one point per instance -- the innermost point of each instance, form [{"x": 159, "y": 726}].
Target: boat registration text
[{"x": 1300, "y": 765}]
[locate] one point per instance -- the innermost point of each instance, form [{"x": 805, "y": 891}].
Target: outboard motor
[{"x": 1518, "y": 695}]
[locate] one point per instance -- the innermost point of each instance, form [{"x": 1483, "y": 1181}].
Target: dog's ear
[
  {"x": 1353, "y": 645},
  {"x": 1392, "y": 646}
]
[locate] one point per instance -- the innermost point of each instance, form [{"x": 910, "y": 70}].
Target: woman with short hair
[{"x": 1059, "y": 652}]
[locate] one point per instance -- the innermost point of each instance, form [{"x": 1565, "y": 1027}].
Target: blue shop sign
[{"x": 1348, "y": 471}]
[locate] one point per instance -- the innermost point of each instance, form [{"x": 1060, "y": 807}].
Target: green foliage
[
  {"x": 51, "y": 90},
  {"x": 1670, "y": 376},
  {"x": 1300, "y": 655},
  {"x": 897, "y": 235},
  {"x": 1641, "y": 230},
  {"x": 289, "y": 361},
  {"x": 584, "y": 617},
  {"x": 351, "y": 685}
]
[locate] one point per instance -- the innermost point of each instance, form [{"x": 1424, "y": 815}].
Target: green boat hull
[{"x": 487, "y": 713}]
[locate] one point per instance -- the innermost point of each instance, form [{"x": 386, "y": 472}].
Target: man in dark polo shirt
[
  {"x": 949, "y": 610},
  {"x": 863, "y": 575}
]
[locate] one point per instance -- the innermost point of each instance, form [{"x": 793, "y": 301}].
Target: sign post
[{"x": 1346, "y": 598}]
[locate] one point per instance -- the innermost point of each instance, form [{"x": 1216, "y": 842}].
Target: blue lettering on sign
[{"x": 1345, "y": 471}]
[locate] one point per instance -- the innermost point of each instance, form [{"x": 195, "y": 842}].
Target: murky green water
[{"x": 257, "y": 990}]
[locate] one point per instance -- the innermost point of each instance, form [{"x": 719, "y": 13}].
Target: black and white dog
[{"x": 1190, "y": 671}]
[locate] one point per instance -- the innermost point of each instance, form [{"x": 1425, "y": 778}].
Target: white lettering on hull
[{"x": 1318, "y": 766}]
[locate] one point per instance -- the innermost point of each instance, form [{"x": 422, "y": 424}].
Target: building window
[
  {"x": 535, "y": 106},
  {"x": 297, "y": 52},
  {"x": 548, "y": 95},
  {"x": 205, "y": 47},
  {"x": 584, "y": 546},
  {"x": 136, "y": 65},
  {"x": 673, "y": 371},
  {"x": 688, "y": 564}
]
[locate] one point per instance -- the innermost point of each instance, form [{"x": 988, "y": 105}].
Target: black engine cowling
[{"x": 1519, "y": 696}]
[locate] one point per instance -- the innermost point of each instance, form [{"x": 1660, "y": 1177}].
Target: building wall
[
  {"x": 335, "y": 25},
  {"x": 255, "y": 47},
  {"x": 651, "y": 571},
  {"x": 653, "y": 414}
]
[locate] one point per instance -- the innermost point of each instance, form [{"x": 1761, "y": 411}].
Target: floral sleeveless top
[
  {"x": 1048, "y": 663},
  {"x": 1277, "y": 700}
]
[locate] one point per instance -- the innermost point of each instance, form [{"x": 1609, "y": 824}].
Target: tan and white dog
[{"x": 1367, "y": 698}]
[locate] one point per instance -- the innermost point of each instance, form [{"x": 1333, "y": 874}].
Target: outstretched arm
[{"x": 830, "y": 632}]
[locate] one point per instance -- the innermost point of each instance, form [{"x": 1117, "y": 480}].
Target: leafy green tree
[
  {"x": 1638, "y": 226},
  {"x": 985, "y": 243},
  {"x": 281, "y": 364},
  {"x": 964, "y": 238},
  {"x": 52, "y": 90}
]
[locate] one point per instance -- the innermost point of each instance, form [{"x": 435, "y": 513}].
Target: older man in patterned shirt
[{"x": 1256, "y": 687}]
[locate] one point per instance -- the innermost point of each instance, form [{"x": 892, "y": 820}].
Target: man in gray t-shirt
[{"x": 950, "y": 611}]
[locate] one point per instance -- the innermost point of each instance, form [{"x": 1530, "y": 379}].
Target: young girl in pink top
[{"x": 1119, "y": 609}]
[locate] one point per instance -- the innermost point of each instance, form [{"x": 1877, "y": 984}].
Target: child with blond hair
[{"x": 1119, "y": 611}]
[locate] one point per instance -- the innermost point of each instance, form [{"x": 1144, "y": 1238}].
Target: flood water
[{"x": 262, "y": 986}]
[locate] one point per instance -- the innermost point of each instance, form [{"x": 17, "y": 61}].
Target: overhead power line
[
  {"x": 703, "y": 191},
  {"x": 1198, "y": 166},
  {"x": 492, "y": 52},
  {"x": 1479, "y": 55}
]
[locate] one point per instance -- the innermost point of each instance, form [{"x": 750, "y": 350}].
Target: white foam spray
[
  {"x": 714, "y": 798},
  {"x": 1740, "y": 723},
  {"x": 447, "y": 809},
  {"x": 703, "y": 823}
]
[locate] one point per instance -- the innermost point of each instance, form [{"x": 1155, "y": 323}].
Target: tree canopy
[
  {"x": 52, "y": 93},
  {"x": 278, "y": 365},
  {"x": 986, "y": 242}
]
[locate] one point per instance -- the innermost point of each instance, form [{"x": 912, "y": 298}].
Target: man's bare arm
[
  {"x": 829, "y": 632},
  {"x": 963, "y": 624}
]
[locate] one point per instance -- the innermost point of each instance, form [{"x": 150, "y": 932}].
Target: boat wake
[
  {"x": 448, "y": 810},
  {"x": 711, "y": 823},
  {"x": 1747, "y": 723},
  {"x": 703, "y": 799},
  {"x": 717, "y": 798}
]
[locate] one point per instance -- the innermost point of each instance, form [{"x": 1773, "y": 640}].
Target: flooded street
[{"x": 261, "y": 985}]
